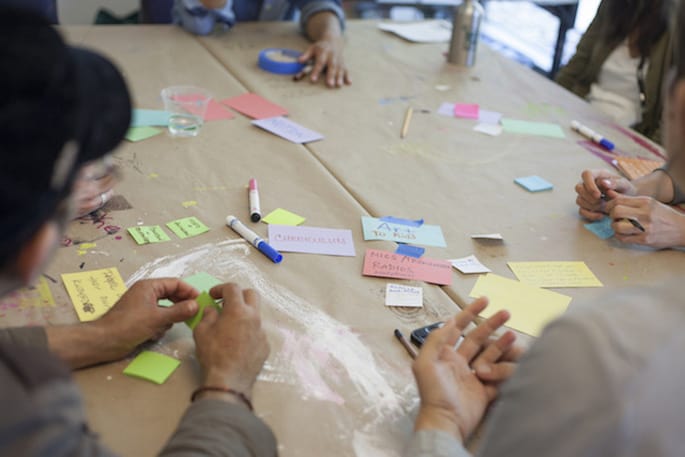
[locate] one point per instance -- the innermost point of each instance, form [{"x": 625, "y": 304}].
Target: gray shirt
[
  {"x": 42, "y": 412},
  {"x": 604, "y": 380}
]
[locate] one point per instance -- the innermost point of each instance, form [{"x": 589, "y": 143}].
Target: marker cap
[
  {"x": 270, "y": 252},
  {"x": 607, "y": 144}
]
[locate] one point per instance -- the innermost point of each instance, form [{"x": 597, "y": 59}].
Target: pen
[
  {"x": 253, "y": 196},
  {"x": 410, "y": 350},
  {"x": 590, "y": 134},
  {"x": 305, "y": 71},
  {"x": 407, "y": 120},
  {"x": 254, "y": 239},
  {"x": 634, "y": 222}
]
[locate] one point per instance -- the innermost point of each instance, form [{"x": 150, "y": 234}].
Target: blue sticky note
[
  {"x": 601, "y": 228},
  {"x": 411, "y": 251},
  {"x": 149, "y": 117},
  {"x": 397, "y": 220},
  {"x": 427, "y": 235},
  {"x": 534, "y": 183}
]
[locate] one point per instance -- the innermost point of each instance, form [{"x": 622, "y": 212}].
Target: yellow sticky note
[
  {"x": 94, "y": 292},
  {"x": 555, "y": 274},
  {"x": 280, "y": 216},
  {"x": 531, "y": 308}
]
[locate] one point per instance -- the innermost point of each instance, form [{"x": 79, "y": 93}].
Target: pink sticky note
[
  {"x": 388, "y": 265},
  {"x": 466, "y": 110},
  {"x": 254, "y": 106},
  {"x": 312, "y": 240},
  {"x": 216, "y": 111}
]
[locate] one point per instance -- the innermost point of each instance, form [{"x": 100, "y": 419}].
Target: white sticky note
[
  {"x": 285, "y": 128},
  {"x": 487, "y": 236},
  {"x": 469, "y": 265},
  {"x": 489, "y": 129},
  {"x": 489, "y": 117},
  {"x": 399, "y": 295},
  {"x": 446, "y": 109}
]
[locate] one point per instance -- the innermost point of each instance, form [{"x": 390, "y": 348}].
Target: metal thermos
[{"x": 465, "y": 28}]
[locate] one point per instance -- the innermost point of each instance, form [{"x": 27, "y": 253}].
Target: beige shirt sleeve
[{"x": 32, "y": 337}]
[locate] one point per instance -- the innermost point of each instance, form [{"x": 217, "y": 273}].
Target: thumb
[
  {"x": 209, "y": 317},
  {"x": 182, "y": 310},
  {"x": 306, "y": 55}
]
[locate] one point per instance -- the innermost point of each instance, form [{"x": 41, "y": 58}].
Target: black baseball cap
[{"x": 60, "y": 107}]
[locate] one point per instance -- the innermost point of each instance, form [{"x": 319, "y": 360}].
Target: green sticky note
[
  {"x": 533, "y": 128},
  {"x": 152, "y": 366},
  {"x": 200, "y": 281},
  {"x": 136, "y": 134},
  {"x": 281, "y": 216},
  {"x": 203, "y": 300},
  {"x": 148, "y": 117},
  {"x": 187, "y": 227},
  {"x": 145, "y": 234}
]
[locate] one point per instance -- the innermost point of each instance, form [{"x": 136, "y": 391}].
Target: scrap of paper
[
  {"x": 601, "y": 228},
  {"x": 446, "y": 109},
  {"x": 531, "y": 308},
  {"x": 534, "y": 183},
  {"x": 287, "y": 129},
  {"x": 311, "y": 240},
  {"x": 281, "y": 216},
  {"x": 533, "y": 128},
  {"x": 633, "y": 167},
  {"x": 201, "y": 281},
  {"x": 469, "y": 265},
  {"x": 466, "y": 110},
  {"x": 152, "y": 366},
  {"x": 411, "y": 251},
  {"x": 135, "y": 134},
  {"x": 187, "y": 227},
  {"x": 144, "y": 234},
  {"x": 203, "y": 301},
  {"x": 254, "y": 106},
  {"x": 489, "y": 117},
  {"x": 149, "y": 117},
  {"x": 216, "y": 112},
  {"x": 489, "y": 129},
  {"x": 399, "y": 295},
  {"x": 420, "y": 32},
  {"x": 389, "y": 265},
  {"x": 487, "y": 236},
  {"x": 397, "y": 220},
  {"x": 377, "y": 229},
  {"x": 555, "y": 274},
  {"x": 94, "y": 292}
]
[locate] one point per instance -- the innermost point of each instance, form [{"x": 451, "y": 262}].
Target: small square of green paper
[
  {"x": 200, "y": 281},
  {"x": 135, "y": 134},
  {"x": 145, "y": 234},
  {"x": 203, "y": 300},
  {"x": 281, "y": 216},
  {"x": 187, "y": 227},
  {"x": 152, "y": 366}
]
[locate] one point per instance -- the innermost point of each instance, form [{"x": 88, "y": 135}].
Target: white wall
[{"x": 83, "y": 11}]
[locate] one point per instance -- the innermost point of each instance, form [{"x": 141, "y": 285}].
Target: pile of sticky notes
[{"x": 152, "y": 366}]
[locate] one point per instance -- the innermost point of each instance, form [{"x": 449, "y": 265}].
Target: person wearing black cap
[{"x": 82, "y": 105}]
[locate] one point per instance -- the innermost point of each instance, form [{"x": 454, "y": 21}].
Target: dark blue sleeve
[{"x": 47, "y": 8}]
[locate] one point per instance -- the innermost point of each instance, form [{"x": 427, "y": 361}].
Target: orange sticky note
[{"x": 254, "y": 106}]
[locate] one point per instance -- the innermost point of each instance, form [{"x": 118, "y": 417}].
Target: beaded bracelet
[{"x": 241, "y": 396}]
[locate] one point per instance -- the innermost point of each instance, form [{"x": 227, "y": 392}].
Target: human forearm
[
  {"x": 435, "y": 443},
  {"x": 657, "y": 185},
  {"x": 81, "y": 345},
  {"x": 324, "y": 25}
]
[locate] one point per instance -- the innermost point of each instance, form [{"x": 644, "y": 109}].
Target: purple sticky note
[
  {"x": 411, "y": 251},
  {"x": 489, "y": 117},
  {"x": 446, "y": 109},
  {"x": 285, "y": 128},
  {"x": 466, "y": 110},
  {"x": 311, "y": 240}
]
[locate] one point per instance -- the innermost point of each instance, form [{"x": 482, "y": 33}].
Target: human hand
[
  {"x": 664, "y": 226},
  {"x": 232, "y": 347},
  {"x": 136, "y": 317},
  {"x": 453, "y": 399},
  {"x": 93, "y": 188},
  {"x": 327, "y": 54},
  {"x": 594, "y": 184}
]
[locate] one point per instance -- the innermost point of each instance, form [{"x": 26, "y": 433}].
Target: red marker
[{"x": 253, "y": 195}]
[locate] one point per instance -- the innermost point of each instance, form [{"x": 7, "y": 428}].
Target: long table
[{"x": 336, "y": 383}]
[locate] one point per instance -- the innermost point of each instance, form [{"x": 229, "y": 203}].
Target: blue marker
[
  {"x": 254, "y": 239},
  {"x": 592, "y": 135}
]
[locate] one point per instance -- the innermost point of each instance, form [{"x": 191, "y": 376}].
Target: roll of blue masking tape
[{"x": 280, "y": 61}]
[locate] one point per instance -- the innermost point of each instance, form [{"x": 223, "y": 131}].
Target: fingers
[
  {"x": 180, "y": 311},
  {"x": 495, "y": 373},
  {"x": 320, "y": 60},
  {"x": 475, "y": 340},
  {"x": 438, "y": 339},
  {"x": 209, "y": 318},
  {"x": 469, "y": 314},
  {"x": 306, "y": 55},
  {"x": 589, "y": 184},
  {"x": 171, "y": 288},
  {"x": 494, "y": 352},
  {"x": 230, "y": 292}
]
